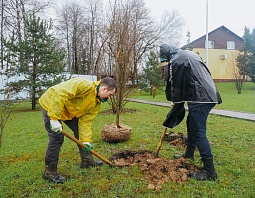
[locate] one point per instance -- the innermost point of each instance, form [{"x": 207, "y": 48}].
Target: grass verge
[{"x": 25, "y": 141}]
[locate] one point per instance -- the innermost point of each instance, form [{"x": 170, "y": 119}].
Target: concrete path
[{"x": 226, "y": 113}]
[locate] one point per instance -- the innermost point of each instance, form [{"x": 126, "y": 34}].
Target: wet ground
[{"x": 158, "y": 170}]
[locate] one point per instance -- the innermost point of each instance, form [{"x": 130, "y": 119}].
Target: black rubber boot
[
  {"x": 88, "y": 161},
  {"x": 51, "y": 173},
  {"x": 207, "y": 173},
  {"x": 189, "y": 154}
]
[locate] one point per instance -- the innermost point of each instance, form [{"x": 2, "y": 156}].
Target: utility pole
[{"x": 206, "y": 33}]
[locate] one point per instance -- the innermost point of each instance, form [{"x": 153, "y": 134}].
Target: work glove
[
  {"x": 55, "y": 126},
  {"x": 89, "y": 147}
]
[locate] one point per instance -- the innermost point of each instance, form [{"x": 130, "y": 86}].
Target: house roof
[
  {"x": 220, "y": 36},
  {"x": 217, "y": 29}
]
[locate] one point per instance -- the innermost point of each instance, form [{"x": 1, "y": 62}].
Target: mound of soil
[
  {"x": 157, "y": 170},
  {"x": 178, "y": 140}
]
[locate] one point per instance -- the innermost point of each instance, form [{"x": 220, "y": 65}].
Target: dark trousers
[
  {"x": 56, "y": 140},
  {"x": 196, "y": 126}
]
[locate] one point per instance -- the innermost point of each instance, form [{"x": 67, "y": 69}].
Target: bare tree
[
  {"x": 94, "y": 8},
  {"x": 70, "y": 27},
  {"x": 16, "y": 12},
  {"x": 13, "y": 16},
  {"x": 6, "y": 109},
  {"x": 78, "y": 27},
  {"x": 121, "y": 43},
  {"x": 170, "y": 28},
  {"x": 2, "y": 30},
  {"x": 235, "y": 71},
  {"x": 131, "y": 34}
]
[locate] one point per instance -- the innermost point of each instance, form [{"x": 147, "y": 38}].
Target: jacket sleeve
[{"x": 85, "y": 123}]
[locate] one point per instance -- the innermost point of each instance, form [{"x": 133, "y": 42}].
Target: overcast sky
[{"x": 233, "y": 14}]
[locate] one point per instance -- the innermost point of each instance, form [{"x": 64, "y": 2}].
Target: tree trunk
[
  {"x": 18, "y": 19},
  {"x": 33, "y": 81},
  {"x": 2, "y": 25}
]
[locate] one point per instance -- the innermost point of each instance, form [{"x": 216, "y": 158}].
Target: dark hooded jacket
[{"x": 189, "y": 79}]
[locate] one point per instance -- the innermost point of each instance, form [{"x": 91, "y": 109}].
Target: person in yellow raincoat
[{"x": 75, "y": 102}]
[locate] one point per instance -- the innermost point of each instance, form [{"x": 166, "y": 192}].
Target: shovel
[
  {"x": 160, "y": 141},
  {"x": 84, "y": 146},
  {"x": 173, "y": 118}
]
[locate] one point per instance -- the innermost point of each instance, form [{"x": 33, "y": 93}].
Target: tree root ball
[{"x": 111, "y": 133}]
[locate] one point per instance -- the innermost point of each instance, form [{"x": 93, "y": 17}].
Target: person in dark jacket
[{"x": 189, "y": 80}]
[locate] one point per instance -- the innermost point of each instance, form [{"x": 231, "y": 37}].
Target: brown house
[
  {"x": 223, "y": 48},
  {"x": 220, "y": 38}
]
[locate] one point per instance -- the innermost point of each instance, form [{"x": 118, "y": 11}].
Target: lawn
[
  {"x": 233, "y": 142},
  {"x": 243, "y": 102}
]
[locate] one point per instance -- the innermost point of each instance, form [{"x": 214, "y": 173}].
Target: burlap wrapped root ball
[{"x": 111, "y": 133}]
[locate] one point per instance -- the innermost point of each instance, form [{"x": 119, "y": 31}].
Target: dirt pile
[
  {"x": 157, "y": 170},
  {"x": 179, "y": 140}
]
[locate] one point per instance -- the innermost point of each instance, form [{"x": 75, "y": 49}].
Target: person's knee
[
  {"x": 56, "y": 139},
  {"x": 200, "y": 135}
]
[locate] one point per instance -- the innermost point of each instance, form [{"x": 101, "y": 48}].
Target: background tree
[
  {"x": 79, "y": 30},
  {"x": 14, "y": 13},
  {"x": 246, "y": 60},
  {"x": 236, "y": 71},
  {"x": 1, "y": 32},
  {"x": 6, "y": 108},
  {"x": 40, "y": 62},
  {"x": 70, "y": 28},
  {"x": 152, "y": 73}
]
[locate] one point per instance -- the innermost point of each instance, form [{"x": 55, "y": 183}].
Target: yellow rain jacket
[{"x": 73, "y": 98}]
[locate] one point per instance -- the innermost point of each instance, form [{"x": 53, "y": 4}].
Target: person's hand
[
  {"x": 55, "y": 126},
  {"x": 89, "y": 147}
]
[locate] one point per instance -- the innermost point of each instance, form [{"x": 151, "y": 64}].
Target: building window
[
  {"x": 210, "y": 44},
  {"x": 231, "y": 45}
]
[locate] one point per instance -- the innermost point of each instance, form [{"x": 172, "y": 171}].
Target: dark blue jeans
[
  {"x": 196, "y": 126},
  {"x": 56, "y": 140}
]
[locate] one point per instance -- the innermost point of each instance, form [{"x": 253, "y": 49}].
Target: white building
[{"x": 25, "y": 94}]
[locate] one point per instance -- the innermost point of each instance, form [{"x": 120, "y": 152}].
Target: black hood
[{"x": 167, "y": 52}]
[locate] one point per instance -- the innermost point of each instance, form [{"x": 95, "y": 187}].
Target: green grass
[
  {"x": 24, "y": 142},
  {"x": 243, "y": 102}
]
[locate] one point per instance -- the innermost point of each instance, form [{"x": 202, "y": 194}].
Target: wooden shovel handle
[
  {"x": 84, "y": 146},
  {"x": 161, "y": 140}
]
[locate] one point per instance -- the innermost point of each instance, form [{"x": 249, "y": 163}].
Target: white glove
[{"x": 55, "y": 126}]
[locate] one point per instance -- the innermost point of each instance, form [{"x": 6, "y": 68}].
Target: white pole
[{"x": 206, "y": 33}]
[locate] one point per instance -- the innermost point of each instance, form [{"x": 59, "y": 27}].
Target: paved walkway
[{"x": 231, "y": 114}]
